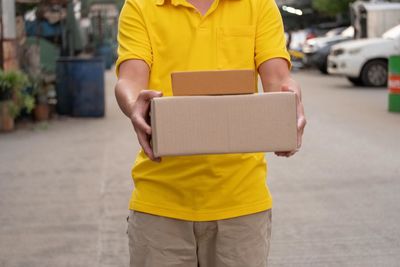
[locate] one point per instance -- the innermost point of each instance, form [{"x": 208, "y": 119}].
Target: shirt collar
[{"x": 174, "y": 2}]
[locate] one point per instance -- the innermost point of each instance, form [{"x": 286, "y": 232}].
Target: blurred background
[{"x": 66, "y": 149}]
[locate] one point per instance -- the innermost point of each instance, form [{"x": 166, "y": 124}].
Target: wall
[{"x": 10, "y": 55}]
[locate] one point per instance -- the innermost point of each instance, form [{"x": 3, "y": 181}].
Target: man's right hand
[{"x": 140, "y": 118}]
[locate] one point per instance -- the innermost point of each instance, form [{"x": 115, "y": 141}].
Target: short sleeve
[
  {"x": 270, "y": 34},
  {"x": 133, "y": 37}
]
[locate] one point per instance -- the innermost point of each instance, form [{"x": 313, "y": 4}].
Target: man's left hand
[{"x": 292, "y": 86}]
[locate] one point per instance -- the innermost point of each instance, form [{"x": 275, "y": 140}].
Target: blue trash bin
[
  {"x": 80, "y": 87},
  {"x": 107, "y": 53}
]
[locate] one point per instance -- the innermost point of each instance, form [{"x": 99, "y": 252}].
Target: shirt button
[{"x": 202, "y": 26}]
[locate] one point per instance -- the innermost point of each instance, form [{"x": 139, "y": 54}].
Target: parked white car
[
  {"x": 316, "y": 50},
  {"x": 365, "y": 61}
]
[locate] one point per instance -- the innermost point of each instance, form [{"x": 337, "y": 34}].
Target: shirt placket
[{"x": 202, "y": 18}]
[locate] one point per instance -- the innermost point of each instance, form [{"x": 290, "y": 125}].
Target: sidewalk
[{"x": 64, "y": 191}]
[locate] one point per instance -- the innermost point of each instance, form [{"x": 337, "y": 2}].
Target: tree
[{"x": 331, "y": 8}]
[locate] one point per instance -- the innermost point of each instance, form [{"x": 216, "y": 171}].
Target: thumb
[
  {"x": 155, "y": 93},
  {"x": 285, "y": 88},
  {"x": 149, "y": 94}
]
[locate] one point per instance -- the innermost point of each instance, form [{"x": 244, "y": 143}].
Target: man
[{"x": 204, "y": 210}]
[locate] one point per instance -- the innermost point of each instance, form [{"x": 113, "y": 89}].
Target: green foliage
[
  {"x": 41, "y": 89},
  {"x": 11, "y": 83},
  {"x": 13, "y": 109},
  {"x": 12, "y": 90},
  {"x": 25, "y": 101},
  {"x": 37, "y": 84},
  {"x": 28, "y": 102},
  {"x": 330, "y": 7}
]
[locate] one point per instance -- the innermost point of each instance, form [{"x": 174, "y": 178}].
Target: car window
[
  {"x": 393, "y": 33},
  {"x": 334, "y": 32},
  {"x": 349, "y": 32}
]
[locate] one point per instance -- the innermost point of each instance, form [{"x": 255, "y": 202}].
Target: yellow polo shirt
[{"x": 171, "y": 35}]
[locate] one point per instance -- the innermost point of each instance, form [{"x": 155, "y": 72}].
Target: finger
[
  {"x": 301, "y": 123},
  {"x": 148, "y": 150},
  {"x": 140, "y": 124},
  {"x": 149, "y": 94},
  {"x": 288, "y": 88},
  {"x": 290, "y": 153},
  {"x": 286, "y": 154},
  {"x": 145, "y": 144},
  {"x": 292, "y": 86},
  {"x": 299, "y": 135},
  {"x": 300, "y": 113},
  {"x": 281, "y": 154},
  {"x": 299, "y": 140},
  {"x": 285, "y": 88}
]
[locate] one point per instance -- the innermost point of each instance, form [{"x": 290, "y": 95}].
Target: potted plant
[
  {"x": 12, "y": 98},
  {"x": 41, "y": 90}
]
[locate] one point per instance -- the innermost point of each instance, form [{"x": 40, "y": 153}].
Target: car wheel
[
  {"x": 323, "y": 64},
  {"x": 355, "y": 81},
  {"x": 375, "y": 73},
  {"x": 323, "y": 69}
]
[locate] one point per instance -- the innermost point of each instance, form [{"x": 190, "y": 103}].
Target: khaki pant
[{"x": 156, "y": 241}]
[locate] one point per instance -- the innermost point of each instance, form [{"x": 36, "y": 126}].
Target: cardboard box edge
[
  {"x": 154, "y": 143},
  {"x": 252, "y": 72},
  {"x": 296, "y": 119},
  {"x": 227, "y": 70}
]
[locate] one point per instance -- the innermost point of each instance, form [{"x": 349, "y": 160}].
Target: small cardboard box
[
  {"x": 214, "y": 82},
  {"x": 190, "y": 125}
]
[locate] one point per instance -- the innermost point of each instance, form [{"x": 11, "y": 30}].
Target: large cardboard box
[
  {"x": 213, "y": 82},
  {"x": 189, "y": 125}
]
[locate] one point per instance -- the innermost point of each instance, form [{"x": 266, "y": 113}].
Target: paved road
[
  {"x": 337, "y": 203},
  {"x": 64, "y": 188}
]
